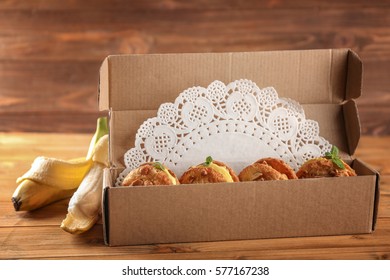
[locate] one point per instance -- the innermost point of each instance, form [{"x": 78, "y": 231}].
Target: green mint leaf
[
  {"x": 158, "y": 165},
  {"x": 334, "y": 151},
  {"x": 328, "y": 155},
  {"x": 338, "y": 162},
  {"x": 334, "y": 156},
  {"x": 208, "y": 161}
]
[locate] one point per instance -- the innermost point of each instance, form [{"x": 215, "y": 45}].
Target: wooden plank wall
[{"x": 50, "y": 51}]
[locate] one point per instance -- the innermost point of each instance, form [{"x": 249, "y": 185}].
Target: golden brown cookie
[
  {"x": 151, "y": 173},
  {"x": 267, "y": 169},
  {"x": 279, "y": 165},
  {"x": 211, "y": 171},
  {"x": 324, "y": 167}
]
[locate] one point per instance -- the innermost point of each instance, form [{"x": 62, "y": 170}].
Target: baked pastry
[
  {"x": 151, "y": 173},
  {"x": 211, "y": 171},
  {"x": 267, "y": 169},
  {"x": 331, "y": 165},
  {"x": 324, "y": 167}
]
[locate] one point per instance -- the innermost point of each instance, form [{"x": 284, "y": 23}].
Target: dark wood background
[{"x": 50, "y": 51}]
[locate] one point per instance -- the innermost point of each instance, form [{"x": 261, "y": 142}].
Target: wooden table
[{"x": 37, "y": 235}]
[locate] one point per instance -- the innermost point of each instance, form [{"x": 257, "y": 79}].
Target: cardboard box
[{"x": 324, "y": 82}]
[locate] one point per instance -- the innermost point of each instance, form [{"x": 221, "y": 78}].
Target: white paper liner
[{"x": 237, "y": 123}]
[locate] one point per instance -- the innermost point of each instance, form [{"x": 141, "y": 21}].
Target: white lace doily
[{"x": 237, "y": 123}]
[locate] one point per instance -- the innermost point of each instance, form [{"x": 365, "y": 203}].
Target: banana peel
[
  {"x": 57, "y": 173},
  {"x": 101, "y": 130},
  {"x": 85, "y": 205},
  {"x": 50, "y": 179}
]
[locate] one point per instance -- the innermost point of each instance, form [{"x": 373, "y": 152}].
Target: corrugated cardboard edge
[
  {"x": 351, "y": 79},
  {"x": 376, "y": 202},
  {"x": 103, "y": 104},
  {"x": 352, "y": 125},
  {"x": 377, "y": 191},
  {"x": 354, "y": 76},
  {"x": 103, "y": 99},
  {"x": 353, "y": 90},
  {"x": 107, "y": 183}
]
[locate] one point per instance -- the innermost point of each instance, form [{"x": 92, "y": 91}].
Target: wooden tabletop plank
[
  {"x": 51, "y": 215},
  {"x": 184, "y": 5},
  {"x": 52, "y": 242},
  {"x": 320, "y": 254},
  {"x": 189, "y": 31},
  {"x": 75, "y": 46},
  {"x": 18, "y": 151},
  {"x": 213, "y": 19}
]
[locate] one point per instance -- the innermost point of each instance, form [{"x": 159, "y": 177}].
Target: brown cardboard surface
[
  {"x": 246, "y": 210},
  {"x": 324, "y": 81},
  {"x": 355, "y": 72},
  {"x": 363, "y": 169},
  {"x": 352, "y": 125},
  {"x": 309, "y": 77},
  {"x": 104, "y": 80}
]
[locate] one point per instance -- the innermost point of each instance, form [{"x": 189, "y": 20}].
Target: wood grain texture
[
  {"x": 58, "y": 245},
  {"x": 36, "y": 235},
  {"x": 181, "y": 4},
  {"x": 50, "y": 51}
]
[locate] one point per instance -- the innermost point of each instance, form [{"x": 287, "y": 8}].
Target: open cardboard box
[{"x": 324, "y": 82}]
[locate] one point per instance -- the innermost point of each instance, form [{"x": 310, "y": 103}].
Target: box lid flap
[
  {"x": 311, "y": 77},
  {"x": 134, "y": 82}
]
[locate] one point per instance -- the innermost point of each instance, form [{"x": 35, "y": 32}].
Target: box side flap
[
  {"x": 103, "y": 89},
  {"x": 143, "y": 82},
  {"x": 122, "y": 138},
  {"x": 352, "y": 125},
  {"x": 363, "y": 169},
  {"x": 355, "y": 74}
]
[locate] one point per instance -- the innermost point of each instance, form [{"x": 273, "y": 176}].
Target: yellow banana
[
  {"x": 26, "y": 199},
  {"x": 85, "y": 205},
  {"x": 47, "y": 181},
  {"x": 57, "y": 173},
  {"x": 50, "y": 179}
]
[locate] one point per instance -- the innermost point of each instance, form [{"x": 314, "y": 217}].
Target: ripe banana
[
  {"x": 85, "y": 205},
  {"x": 26, "y": 199},
  {"x": 57, "y": 173},
  {"x": 51, "y": 179}
]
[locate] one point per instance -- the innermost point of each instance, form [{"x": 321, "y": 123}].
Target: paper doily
[{"x": 237, "y": 123}]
